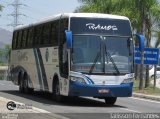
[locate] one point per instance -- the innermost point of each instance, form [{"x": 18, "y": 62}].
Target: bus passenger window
[
  {"x": 30, "y": 38},
  {"x": 25, "y": 38},
  {"x": 46, "y": 35},
  {"x": 19, "y": 39},
  {"x": 38, "y": 36},
  {"x": 14, "y": 40},
  {"x": 54, "y": 34}
]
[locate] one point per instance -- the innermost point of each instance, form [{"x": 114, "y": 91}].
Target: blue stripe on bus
[
  {"x": 38, "y": 67},
  {"x": 44, "y": 77},
  {"x": 89, "y": 80}
]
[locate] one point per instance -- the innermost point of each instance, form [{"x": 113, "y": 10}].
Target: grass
[
  {"x": 1, "y": 77},
  {"x": 3, "y": 70},
  {"x": 149, "y": 91}
]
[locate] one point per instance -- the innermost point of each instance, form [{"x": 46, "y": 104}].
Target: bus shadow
[{"x": 45, "y": 98}]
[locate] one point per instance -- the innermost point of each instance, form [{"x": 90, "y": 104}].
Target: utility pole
[{"x": 16, "y": 13}]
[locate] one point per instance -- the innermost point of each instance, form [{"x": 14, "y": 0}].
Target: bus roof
[{"x": 68, "y": 15}]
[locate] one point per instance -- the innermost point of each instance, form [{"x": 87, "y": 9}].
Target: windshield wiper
[
  {"x": 114, "y": 64},
  {"x": 94, "y": 63}
]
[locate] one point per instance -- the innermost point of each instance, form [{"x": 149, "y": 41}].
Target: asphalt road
[{"x": 78, "y": 108}]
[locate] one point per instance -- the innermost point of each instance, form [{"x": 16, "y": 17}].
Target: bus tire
[
  {"x": 26, "y": 87},
  {"x": 56, "y": 92},
  {"x": 110, "y": 100},
  {"x": 21, "y": 83}
]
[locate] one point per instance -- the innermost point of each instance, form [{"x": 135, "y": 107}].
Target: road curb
[{"x": 151, "y": 97}]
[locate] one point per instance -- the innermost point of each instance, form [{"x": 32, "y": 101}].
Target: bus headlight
[
  {"x": 129, "y": 80},
  {"x": 79, "y": 80}
]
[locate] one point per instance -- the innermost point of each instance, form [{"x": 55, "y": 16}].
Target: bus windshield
[{"x": 101, "y": 54}]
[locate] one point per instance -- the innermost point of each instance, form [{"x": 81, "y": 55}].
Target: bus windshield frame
[{"x": 93, "y": 54}]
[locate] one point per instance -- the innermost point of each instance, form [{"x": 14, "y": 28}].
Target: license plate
[{"x": 103, "y": 91}]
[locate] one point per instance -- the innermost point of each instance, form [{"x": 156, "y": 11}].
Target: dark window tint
[
  {"x": 102, "y": 26},
  {"x": 54, "y": 33},
  {"x": 64, "y": 26},
  {"x": 30, "y": 37},
  {"x": 19, "y": 39},
  {"x": 25, "y": 34},
  {"x": 14, "y": 40},
  {"x": 46, "y": 34},
  {"x": 22, "y": 40},
  {"x": 38, "y": 35},
  {"x": 43, "y": 35}
]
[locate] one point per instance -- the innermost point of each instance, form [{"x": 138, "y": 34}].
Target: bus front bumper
[{"x": 78, "y": 89}]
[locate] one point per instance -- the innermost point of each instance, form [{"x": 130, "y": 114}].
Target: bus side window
[
  {"x": 19, "y": 39},
  {"x": 22, "y": 38},
  {"x": 30, "y": 38},
  {"x": 25, "y": 33},
  {"x": 54, "y": 34},
  {"x": 37, "y": 36},
  {"x": 14, "y": 40},
  {"x": 46, "y": 34}
]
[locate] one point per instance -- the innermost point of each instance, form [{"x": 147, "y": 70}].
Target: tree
[
  {"x": 98, "y": 6},
  {"x": 5, "y": 54},
  {"x": 1, "y": 54},
  {"x": 157, "y": 45},
  {"x": 151, "y": 17},
  {"x": 7, "y": 51}
]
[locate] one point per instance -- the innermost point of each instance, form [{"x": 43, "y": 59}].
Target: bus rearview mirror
[
  {"x": 140, "y": 39},
  {"x": 69, "y": 39}
]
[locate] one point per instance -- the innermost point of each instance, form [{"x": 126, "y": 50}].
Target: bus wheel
[
  {"x": 110, "y": 100},
  {"x": 56, "y": 92},
  {"x": 21, "y": 85},
  {"x": 26, "y": 87}
]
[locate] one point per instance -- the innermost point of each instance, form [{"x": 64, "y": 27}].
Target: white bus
[{"x": 75, "y": 54}]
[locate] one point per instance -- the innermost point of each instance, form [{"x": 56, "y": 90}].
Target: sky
[{"x": 34, "y": 10}]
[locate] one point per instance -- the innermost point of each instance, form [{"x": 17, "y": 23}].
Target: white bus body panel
[{"x": 26, "y": 58}]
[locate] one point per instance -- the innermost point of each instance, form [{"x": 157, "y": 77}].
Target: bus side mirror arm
[{"x": 141, "y": 41}]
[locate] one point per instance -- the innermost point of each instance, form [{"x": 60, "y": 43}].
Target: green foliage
[
  {"x": 149, "y": 90},
  {"x": 8, "y": 50},
  {"x": 4, "y": 54},
  {"x": 130, "y": 8}
]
